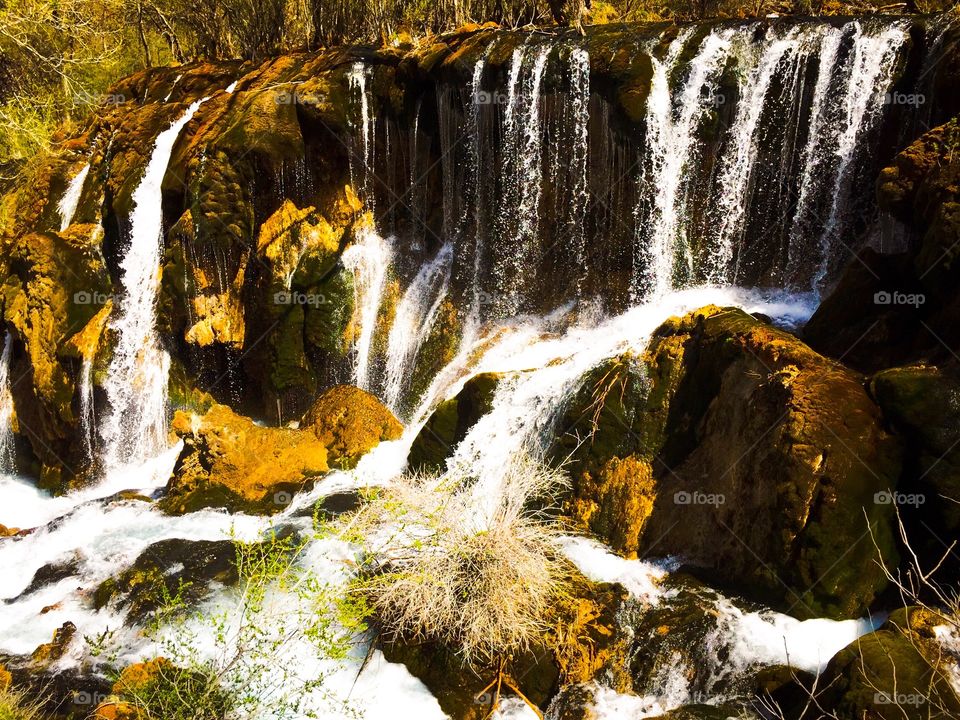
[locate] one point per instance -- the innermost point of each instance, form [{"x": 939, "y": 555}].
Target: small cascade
[
  {"x": 579, "y": 154},
  {"x": 521, "y": 178},
  {"x": 71, "y": 198},
  {"x": 362, "y": 161},
  {"x": 737, "y": 166},
  {"x": 88, "y": 418},
  {"x": 135, "y": 427},
  {"x": 666, "y": 246},
  {"x": 870, "y": 75},
  {"x": 412, "y": 324},
  {"x": 7, "y": 463},
  {"x": 813, "y": 158},
  {"x": 369, "y": 260}
]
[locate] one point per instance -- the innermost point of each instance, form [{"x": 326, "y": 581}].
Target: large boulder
[
  {"x": 350, "y": 422},
  {"x": 890, "y": 310},
  {"x": 899, "y": 672},
  {"x": 585, "y": 640},
  {"x": 735, "y": 446},
  {"x": 229, "y": 461}
]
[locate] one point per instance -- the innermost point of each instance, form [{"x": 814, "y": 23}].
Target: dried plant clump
[{"x": 467, "y": 563}]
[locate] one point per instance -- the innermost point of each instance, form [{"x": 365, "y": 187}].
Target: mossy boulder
[
  {"x": 583, "y": 642},
  {"x": 166, "y": 568},
  {"x": 350, "y": 422},
  {"x": 898, "y": 671},
  {"x": 229, "y": 461},
  {"x": 450, "y": 422},
  {"x": 57, "y": 284},
  {"x": 732, "y": 444},
  {"x": 922, "y": 404}
]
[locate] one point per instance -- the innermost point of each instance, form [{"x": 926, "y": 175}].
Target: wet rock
[
  {"x": 52, "y": 651},
  {"x": 892, "y": 310},
  {"x": 584, "y": 642},
  {"x": 350, "y": 422},
  {"x": 922, "y": 404},
  {"x": 229, "y": 461},
  {"x": 450, "y": 422},
  {"x": 56, "y": 285},
  {"x": 167, "y": 568},
  {"x": 896, "y": 672},
  {"x": 735, "y": 446}
]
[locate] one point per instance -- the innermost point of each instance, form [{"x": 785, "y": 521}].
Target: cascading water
[
  {"x": 579, "y": 68},
  {"x": 516, "y": 229},
  {"x": 135, "y": 427},
  {"x": 871, "y": 69},
  {"x": 412, "y": 323},
  {"x": 71, "y": 198},
  {"x": 369, "y": 260},
  {"x": 737, "y": 165},
  {"x": 362, "y": 161},
  {"x": 88, "y": 417},
  {"x": 6, "y": 409}
]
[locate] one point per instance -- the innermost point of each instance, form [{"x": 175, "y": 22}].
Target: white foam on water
[
  {"x": 598, "y": 563},
  {"x": 608, "y": 704},
  {"x": 771, "y": 638}
]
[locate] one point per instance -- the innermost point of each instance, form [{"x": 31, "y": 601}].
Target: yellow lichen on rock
[
  {"x": 230, "y": 461},
  {"x": 350, "y": 422}
]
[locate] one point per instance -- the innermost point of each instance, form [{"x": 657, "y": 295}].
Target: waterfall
[
  {"x": 579, "y": 154},
  {"x": 737, "y": 165},
  {"x": 412, "y": 324},
  {"x": 369, "y": 260},
  {"x": 673, "y": 146},
  {"x": 7, "y": 463},
  {"x": 816, "y": 146},
  {"x": 88, "y": 419},
  {"x": 521, "y": 178},
  {"x": 870, "y": 75},
  {"x": 71, "y": 198},
  {"x": 136, "y": 383},
  {"x": 362, "y": 163}
]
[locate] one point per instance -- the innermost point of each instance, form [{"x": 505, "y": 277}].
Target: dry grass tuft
[{"x": 469, "y": 563}]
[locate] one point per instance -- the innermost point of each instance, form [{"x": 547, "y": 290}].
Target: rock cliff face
[{"x": 286, "y": 164}]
